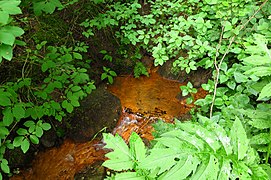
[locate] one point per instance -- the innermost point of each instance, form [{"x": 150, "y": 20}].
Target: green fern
[{"x": 194, "y": 150}]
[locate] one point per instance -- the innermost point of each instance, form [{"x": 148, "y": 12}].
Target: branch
[{"x": 218, "y": 66}]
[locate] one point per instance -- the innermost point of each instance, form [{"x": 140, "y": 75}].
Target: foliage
[
  {"x": 8, "y": 31},
  {"x": 31, "y": 103},
  {"x": 108, "y": 74},
  {"x": 140, "y": 69},
  {"x": 186, "y": 31},
  {"x": 201, "y": 150},
  {"x": 188, "y": 90}
]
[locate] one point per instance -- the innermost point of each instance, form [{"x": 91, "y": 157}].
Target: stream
[{"x": 143, "y": 100}]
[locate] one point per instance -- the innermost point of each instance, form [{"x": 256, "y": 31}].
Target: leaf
[
  {"x": 6, "y": 51},
  {"x": 25, "y": 145},
  {"x": 204, "y": 170},
  {"x": 16, "y": 31},
  {"x": 162, "y": 158},
  {"x": 34, "y": 139},
  {"x": 129, "y": 175},
  {"x": 67, "y": 106},
  {"x": 259, "y": 71},
  {"x": 239, "y": 77},
  {"x": 46, "y": 126},
  {"x": 18, "y": 111},
  {"x": 183, "y": 168},
  {"x": 77, "y": 55},
  {"x": 207, "y": 136},
  {"x": 39, "y": 131},
  {"x": 18, "y": 141},
  {"x": 225, "y": 170},
  {"x": 137, "y": 147},
  {"x": 7, "y": 38},
  {"x": 3, "y": 132},
  {"x": 4, "y": 16},
  {"x": 185, "y": 136},
  {"x": 262, "y": 138},
  {"x": 265, "y": 92},
  {"x": 120, "y": 159},
  {"x": 4, "y": 100},
  {"x": 4, "y": 166},
  {"x": 239, "y": 139},
  {"x": 22, "y": 131},
  {"x": 7, "y": 116}
]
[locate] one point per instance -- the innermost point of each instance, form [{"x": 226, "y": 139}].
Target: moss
[{"x": 51, "y": 28}]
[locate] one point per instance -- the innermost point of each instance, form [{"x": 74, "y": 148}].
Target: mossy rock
[{"x": 100, "y": 109}]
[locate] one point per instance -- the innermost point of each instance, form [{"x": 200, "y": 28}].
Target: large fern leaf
[{"x": 190, "y": 150}]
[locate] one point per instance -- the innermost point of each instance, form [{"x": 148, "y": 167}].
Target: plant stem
[
  {"x": 269, "y": 148},
  {"x": 218, "y": 66}
]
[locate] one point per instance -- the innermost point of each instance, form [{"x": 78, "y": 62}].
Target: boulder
[{"x": 100, "y": 109}]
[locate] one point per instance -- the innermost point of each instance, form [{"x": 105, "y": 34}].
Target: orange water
[{"x": 152, "y": 98}]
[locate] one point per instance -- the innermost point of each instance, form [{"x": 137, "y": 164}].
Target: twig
[{"x": 218, "y": 66}]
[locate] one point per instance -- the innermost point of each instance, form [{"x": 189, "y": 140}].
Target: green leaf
[
  {"x": 25, "y": 145},
  {"x": 239, "y": 77},
  {"x": 239, "y": 139},
  {"x": 29, "y": 123},
  {"x": 259, "y": 71},
  {"x": 18, "y": 141},
  {"x": 4, "y": 100},
  {"x": 67, "y": 106},
  {"x": 129, "y": 175},
  {"x": 3, "y": 132},
  {"x": 262, "y": 138},
  {"x": 77, "y": 55},
  {"x": 4, "y": 166},
  {"x": 120, "y": 159},
  {"x": 265, "y": 92},
  {"x": 4, "y": 16},
  {"x": 18, "y": 111},
  {"x": 7, "y": 116},
  {"x": 46, "y": 126},
  {"x": 160, "y": 158},
  {"x": 16, "y": 31},
  {"x": 6, "y": 51},
  {"x": 7, "y": 38},
  {"x": 39, "y": 131},
  {"x": 103, "y": 76},
  {"x": 183, "y": 168},
  {"x": 137, "y": 147},
  {"x": 204, "y": 170},
  {"x": 22, "y": 131},
  {"x": 34, "y": 139}
]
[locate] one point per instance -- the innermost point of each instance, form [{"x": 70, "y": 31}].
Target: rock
[
  {"x": 49, "y": 138},
  {"x": 93, "y": 172},
  {"x": 100, "y": 109},
  {"x": 198, "y": 77}
]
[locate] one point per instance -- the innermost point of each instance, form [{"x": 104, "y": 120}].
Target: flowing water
[{"x": 144, "y": 100}]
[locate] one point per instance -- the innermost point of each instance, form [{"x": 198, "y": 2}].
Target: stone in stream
[
  {"x": 100, "y": 109},
  {"x": 198, "y": 77}
]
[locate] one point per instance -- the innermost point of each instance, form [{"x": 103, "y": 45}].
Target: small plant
[
  {"x": 106, "y": 56},
  {"x": 188, "y": 90},
  {"x": 140, "y": 69},
  {"x": 108, "y": 74},
  {"x": 194, "y": 150}
]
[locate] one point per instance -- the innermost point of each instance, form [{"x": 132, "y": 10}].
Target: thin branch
[{"x": 217, "y": 67}]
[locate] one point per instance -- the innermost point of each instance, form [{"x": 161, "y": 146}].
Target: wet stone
[{"x": 100, "y": 109}]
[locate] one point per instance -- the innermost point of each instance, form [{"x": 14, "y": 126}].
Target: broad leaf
[
  {"x": 239, "y": 139},
  {"x": 265, "y": 92},
  {"x": 137, "y": 147},
  {"x": 120, "y": 158}
]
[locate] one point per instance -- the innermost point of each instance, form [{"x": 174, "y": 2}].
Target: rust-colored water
[
  {"x": 152, "y": 98},
  {"x": 152, "y": 95}
]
